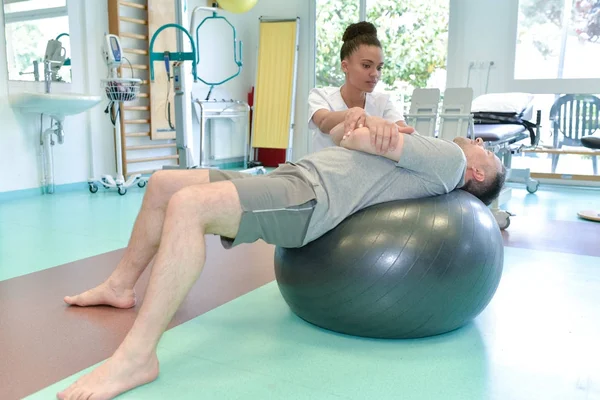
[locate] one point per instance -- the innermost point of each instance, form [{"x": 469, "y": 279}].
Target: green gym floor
[{"x": 538, "y": 339}]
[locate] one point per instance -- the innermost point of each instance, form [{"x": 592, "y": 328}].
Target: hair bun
[{"x": 358, "y": 29}]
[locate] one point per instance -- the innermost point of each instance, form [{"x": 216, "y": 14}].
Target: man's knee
[
  {"x": 161, "y": 186},
  {"x": 206, "y": 204},
  {"x": 190, "y": 202},
  {"x": 158, "y": 179}
]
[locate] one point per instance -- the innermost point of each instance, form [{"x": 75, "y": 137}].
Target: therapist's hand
[
  {"x": 355, "y": 118},
  {"x": 385, "y": 134}
]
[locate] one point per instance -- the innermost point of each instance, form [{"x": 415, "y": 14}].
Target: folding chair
[
  {"x": 423, "y": 111},
  {"x": 455, "y": 117}
]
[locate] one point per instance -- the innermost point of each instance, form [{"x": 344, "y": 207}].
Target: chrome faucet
[{"x": 48, "y": 74}]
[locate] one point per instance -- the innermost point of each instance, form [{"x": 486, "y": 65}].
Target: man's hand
[
  {"x": 355, "y": 118},
  {"x": 384, "y": 134}
]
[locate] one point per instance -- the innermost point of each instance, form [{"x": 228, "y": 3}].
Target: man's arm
[
  {"x": 440, "y": 162},
  {"x": 360, "y": 140},
  {"x": 337, "y": 133},
  {"x": 384, "y": 134}
]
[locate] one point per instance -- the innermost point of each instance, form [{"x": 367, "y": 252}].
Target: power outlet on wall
[{"x": 477, "y": 64}]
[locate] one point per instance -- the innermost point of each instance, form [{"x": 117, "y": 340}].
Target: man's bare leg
[
  {"x": 192, "y": 212},
  {"x": 117, "y": 290}
]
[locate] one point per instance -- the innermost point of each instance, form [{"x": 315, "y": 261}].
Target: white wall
[
  {"x": 486, "y": 30},
  {"x": 13, "y": 144},
  {"x": 88, "y": 150},
  {"x": 480, "y": 31}
]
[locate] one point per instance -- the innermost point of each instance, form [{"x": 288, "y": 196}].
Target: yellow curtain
[{"x": 274, "y": 84}]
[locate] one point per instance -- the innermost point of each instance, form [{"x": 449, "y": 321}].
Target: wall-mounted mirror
[{"x": 38, "y": 45}]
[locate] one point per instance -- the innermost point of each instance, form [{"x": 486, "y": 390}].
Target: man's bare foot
[
  {"x": 104, "y": 294},
  {"x": 117, "y": 375}
]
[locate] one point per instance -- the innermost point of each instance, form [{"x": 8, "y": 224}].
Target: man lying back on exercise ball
[{"x": 291, "y": 206}]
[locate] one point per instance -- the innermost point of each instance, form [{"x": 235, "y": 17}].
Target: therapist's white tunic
[{"x": 377, "y": 104}]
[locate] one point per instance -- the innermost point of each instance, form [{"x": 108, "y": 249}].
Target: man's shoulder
[
  {"x": 420, "y": 150},
  {"x": 428, "y": 140}
]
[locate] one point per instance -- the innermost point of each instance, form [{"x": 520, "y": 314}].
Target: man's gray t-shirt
[{"x": 347, "y": 181}]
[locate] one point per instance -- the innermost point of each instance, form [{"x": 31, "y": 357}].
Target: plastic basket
[{"x": 121, "y": 89}]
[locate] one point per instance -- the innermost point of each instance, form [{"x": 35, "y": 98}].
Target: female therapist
[{"x": 355, "y": 101}]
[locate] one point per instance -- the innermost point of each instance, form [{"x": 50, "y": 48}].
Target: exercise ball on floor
[
  {"x": 402, "y": 269},
  {"x": 237, "y": 6}
]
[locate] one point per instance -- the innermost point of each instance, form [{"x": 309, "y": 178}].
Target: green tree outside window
[{"x": 413, "y": 33}]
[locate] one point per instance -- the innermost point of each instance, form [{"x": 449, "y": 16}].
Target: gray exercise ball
[{"x": 402, "y": 269}]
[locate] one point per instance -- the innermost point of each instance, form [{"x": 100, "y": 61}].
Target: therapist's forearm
[
  {"x": 360, "y": 140},
  {"x": 331, "y": 120}
]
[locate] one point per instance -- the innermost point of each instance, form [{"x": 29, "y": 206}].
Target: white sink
[{"x": 56, "y": 105}]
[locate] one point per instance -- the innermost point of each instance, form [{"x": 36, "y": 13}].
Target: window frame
[{"x": 24, "y": 16}]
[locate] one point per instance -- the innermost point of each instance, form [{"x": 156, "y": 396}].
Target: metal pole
[
  {"x": 179, "y": 4},
  {"x": 565, "y": 32},
  {"x": 182, "y": 100},
  {"x": 362, "y": 10}
]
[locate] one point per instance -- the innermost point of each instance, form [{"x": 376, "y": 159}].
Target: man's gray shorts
[{"x": 276, "y": 207}]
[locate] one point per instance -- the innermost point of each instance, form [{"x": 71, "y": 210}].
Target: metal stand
[
  {"x": 211, "y": 110},
  {"x": 118, "y": 91},
  {"x": 184, "y": 143},
  {"x": 182, "y": 98}
]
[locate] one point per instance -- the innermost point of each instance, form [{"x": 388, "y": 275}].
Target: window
[
  {"x": 333, "y": 16},
  {"x": 414, "y": 35},
  {"x": 26, "y": 43},
  {"x": 558, "y": 39}
]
